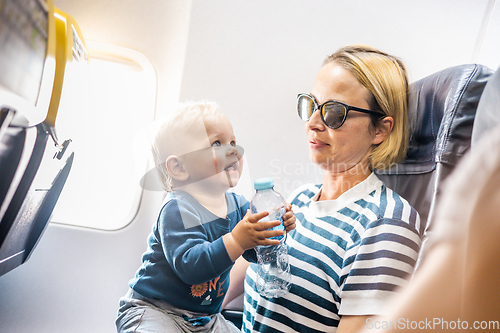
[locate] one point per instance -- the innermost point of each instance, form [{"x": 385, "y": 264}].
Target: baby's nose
[
  {"x": 234, "y": 151},
  {"x": 231, "y": 150}
]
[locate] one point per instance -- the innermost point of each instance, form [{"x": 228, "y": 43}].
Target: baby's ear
[{"x": 176, "y": 168}]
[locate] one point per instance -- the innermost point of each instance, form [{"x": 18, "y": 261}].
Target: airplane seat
[
  {"x": 34, "y": 164},
  {"x": 32, "y": 175},
  {"x": 11, "y": 147},
  {"x": 488, "y": 110},
  {"x": 442, "y": 109}
]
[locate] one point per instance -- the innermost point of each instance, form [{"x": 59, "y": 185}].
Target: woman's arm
[
  {"x": 352, "y": 324},
  {"x": 237, "y": 280},
  {"x": 439, "y": 280}
]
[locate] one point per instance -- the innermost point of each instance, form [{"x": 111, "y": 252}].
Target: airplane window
[{"x": 105, "y": 112}]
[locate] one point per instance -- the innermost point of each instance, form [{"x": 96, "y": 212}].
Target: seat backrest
[
  {"x": 442, "y": 109},
  {"x": 488, "y": 110},
  {"x": 32, "y": 176}
]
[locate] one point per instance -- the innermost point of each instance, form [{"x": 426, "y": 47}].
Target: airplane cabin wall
[
  {"x": 257, "y": 56},
  {"x": 253, "y": 58}
]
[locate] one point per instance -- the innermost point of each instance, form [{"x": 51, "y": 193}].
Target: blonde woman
[{"x": 356, "y": 241}]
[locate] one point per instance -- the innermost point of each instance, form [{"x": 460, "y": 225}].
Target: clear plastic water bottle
[{"x": 273, "y": 268}]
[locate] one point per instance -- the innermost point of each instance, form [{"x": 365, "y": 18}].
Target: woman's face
[{"x": 341, "y": 149}]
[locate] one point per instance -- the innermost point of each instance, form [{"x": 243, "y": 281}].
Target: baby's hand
[
  {"x": 289, "y": 219},
  {"x": 249, "y": 232}
]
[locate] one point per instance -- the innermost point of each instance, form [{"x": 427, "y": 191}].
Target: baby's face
[{"x": 214, "y": 158}]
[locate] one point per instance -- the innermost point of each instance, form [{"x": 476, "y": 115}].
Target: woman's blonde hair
[
  {"x": 172, "y": 132},
  {"x": 386, "y": 78}
]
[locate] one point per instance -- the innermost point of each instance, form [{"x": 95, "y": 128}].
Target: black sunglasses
[{"x": 333, "y": 113}]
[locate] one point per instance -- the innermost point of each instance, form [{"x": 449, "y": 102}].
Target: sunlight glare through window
[{"x": 106, "y": 121}]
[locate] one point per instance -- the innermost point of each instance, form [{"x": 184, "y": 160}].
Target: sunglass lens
[
  {"x": 333, "y": 114},
  {"x": 305, "y": 107}
]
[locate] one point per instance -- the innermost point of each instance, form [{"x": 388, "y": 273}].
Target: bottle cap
[{"x": 263, "y": 183}]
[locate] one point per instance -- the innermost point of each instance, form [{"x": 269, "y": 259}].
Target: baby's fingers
[
  {"x": 255, "y": 217},
  {"x": 288, "y": 215},
  {"x": 265, "y": 237},
  {"x": 289, "y": 223},
  {"x": 268, "y": 241},
  {"x": 266, "y": 225},
  {"x": 271, "y": 233}
]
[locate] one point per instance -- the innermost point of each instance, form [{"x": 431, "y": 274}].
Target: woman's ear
[
  {"x": 176, "y": 168},
  {"x": 383, "y": 129}
]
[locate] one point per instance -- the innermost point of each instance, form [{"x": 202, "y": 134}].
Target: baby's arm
[{"x": 249, "y": 233}]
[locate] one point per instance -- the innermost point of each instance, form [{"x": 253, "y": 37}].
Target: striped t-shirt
[{"x": 347, "y": 256}]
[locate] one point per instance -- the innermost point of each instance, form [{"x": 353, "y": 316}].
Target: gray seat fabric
[
  {"x": 442, "y": 109},
  {"x": 488, "y": 110}
]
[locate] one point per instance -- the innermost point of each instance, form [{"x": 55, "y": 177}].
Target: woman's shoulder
[
  {"x": 392, "y": 197},
  {"x": 303, "y": 194},
  {"x": 396, "y": 208}
]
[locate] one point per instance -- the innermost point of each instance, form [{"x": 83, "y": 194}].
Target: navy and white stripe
[{"x": 347, "y": 257}]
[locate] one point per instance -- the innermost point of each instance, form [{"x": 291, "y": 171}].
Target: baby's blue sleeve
[{"x": 194, "y": 254}]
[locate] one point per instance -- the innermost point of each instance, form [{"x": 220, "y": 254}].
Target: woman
[{"x": 356, "y": 241}]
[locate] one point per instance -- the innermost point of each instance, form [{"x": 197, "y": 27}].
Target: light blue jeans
[{"x": 138, "y": 314}]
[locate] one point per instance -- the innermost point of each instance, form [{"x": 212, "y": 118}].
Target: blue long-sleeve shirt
[{"x": 186, "y": 263}]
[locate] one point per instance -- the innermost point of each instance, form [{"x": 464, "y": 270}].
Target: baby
[{"x": 201, "y": 229}]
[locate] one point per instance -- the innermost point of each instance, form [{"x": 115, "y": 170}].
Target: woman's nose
[{"x": 315, "y": 122}]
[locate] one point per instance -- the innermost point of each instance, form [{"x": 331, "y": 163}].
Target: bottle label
[{"x": 275, "y": 214}]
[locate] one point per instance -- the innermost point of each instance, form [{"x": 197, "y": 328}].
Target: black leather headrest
[{"x": 441, "y": 110}]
